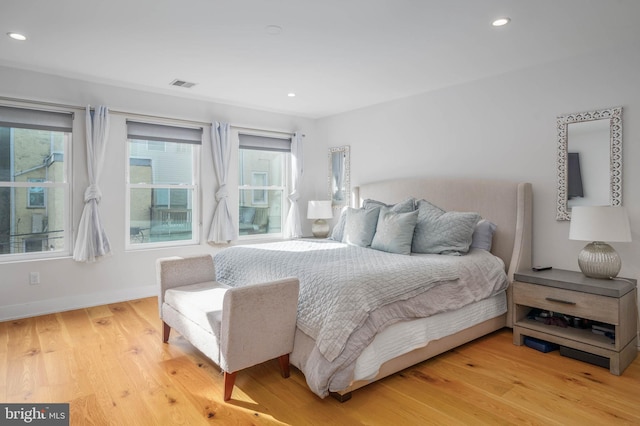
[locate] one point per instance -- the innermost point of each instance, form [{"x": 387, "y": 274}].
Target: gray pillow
[
  {"x": 360, "y": 226},
  {"x": 394, "y": 231},
  {"x": 441, "y": 232},
  {"x": 338, "y": 231},
  {"x": 405, "y": 206},
  {"x": 482, "y": 237}
]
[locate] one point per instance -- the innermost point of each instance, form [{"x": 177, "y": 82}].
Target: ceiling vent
[{"x": 182, "y": 83}]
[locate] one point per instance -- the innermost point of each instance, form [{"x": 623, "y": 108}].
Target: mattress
[{"x": 403, "y": 337}]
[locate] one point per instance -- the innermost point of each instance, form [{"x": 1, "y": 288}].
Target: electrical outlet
[{"x": 34, "y": 278}]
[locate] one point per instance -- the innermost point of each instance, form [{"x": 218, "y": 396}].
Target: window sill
[
  {"x": 247, "y": 241},
  {"x": 22, "y": 258}
]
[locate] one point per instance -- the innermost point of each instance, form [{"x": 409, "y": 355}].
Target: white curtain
[
  {"x": 92, "y": 240},
  {"x": 293, "y": 227},
  {"x": 222, "y": 229}
]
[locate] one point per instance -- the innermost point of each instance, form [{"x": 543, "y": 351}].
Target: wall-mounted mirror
[
  {"x": 339, "y": 179},
  {"x": 589, "y": 164}
]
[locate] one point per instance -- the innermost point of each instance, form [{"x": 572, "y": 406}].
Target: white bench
[{"x": 235, "y": 327}]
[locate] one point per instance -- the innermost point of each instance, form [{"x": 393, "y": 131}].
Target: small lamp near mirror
[
  {"x": 599, "y": 224},
  {"x": 320, "y": 211}
]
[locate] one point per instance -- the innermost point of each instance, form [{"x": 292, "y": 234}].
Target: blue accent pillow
[
  {"x": 441, "y": 232},
  {"x": 394, "y": 231},
  {"x": 482, "y": 237},
  {"x": 360, "y": 226}
]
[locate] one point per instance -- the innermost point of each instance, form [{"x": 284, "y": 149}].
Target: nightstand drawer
[{"x": 574, "y": 303}]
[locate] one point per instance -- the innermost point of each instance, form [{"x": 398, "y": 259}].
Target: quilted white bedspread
[{"x": 341, "y": 286}]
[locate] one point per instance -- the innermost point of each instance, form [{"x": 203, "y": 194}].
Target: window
[
  {"x": 34, "y": 182},
  {"x": 162, "y": 184},
  {"x": 36, "y": 194},
  {"x": 263, "y": 165},
  {"x": 259, "y": 196},
  {"x": 170, "y": 198},
  {"x": 156, "y": 146}
]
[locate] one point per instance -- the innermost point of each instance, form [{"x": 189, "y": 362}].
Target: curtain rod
[{"x": 82, "y": 108}]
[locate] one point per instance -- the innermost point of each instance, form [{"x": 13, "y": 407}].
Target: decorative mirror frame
[
  {"x": 614, "y": 115},
  {"x": 347, "y": 175}
]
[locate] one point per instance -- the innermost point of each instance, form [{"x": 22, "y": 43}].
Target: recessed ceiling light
[
  {"x": 291, "y": 95},
  {"x": 17, "y": 36},
  {"x": 501, "y": 21}
]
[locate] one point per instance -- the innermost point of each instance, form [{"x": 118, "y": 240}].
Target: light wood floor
[{"x": 109, "y": 363}]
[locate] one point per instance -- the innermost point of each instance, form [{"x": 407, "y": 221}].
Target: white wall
[
  {"x": 503, "y": 127},
  {"x": 66, "y": 284}
]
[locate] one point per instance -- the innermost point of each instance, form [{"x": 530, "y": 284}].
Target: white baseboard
[{"x": 68, "y": 303}]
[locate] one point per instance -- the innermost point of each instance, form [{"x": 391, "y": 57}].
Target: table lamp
[
  {"x": 319, "y": 210},
  {"x": 599, "y": 224}
]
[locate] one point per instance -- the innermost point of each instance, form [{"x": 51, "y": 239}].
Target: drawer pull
[{"x": 566, "y": 302}]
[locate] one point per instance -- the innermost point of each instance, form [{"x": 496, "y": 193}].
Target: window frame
[
  {"x": 39, "y": 121},
  {"x": 284, "y": 188},
  {"x": 194, "y": 187}
]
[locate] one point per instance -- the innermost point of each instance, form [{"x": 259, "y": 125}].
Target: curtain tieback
[
  {"x": 92, "y": 193},
  {"x": 222, "y": 192},
  {"x": 294, "y": 196}
]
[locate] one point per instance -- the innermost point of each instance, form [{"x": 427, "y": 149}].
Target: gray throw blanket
[{"x": 340, "y": 285}]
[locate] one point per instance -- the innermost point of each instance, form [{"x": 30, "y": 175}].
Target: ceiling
[{"x": 335, "y": 55}]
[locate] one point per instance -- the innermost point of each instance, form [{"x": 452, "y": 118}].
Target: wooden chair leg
[
  {"x": 165, "y": 332},
  {"x": 284, "y": 365},
  {"x": 229, "y": 380}
]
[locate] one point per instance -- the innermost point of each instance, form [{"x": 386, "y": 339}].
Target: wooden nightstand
[{"x": 612, "y": 302}]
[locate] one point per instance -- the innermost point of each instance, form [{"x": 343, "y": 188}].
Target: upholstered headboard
[{"x": 507, "y": 204}]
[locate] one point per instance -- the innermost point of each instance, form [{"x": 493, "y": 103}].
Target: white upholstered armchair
[{"x": 235, "y": 327}]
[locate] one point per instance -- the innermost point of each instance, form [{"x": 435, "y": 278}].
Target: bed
[{"x": 346, "y": 338}]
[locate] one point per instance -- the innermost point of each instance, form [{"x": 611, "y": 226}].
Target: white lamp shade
[
  {"x": 319, "y": 210},
  {"x": 599, "y": 223}
]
